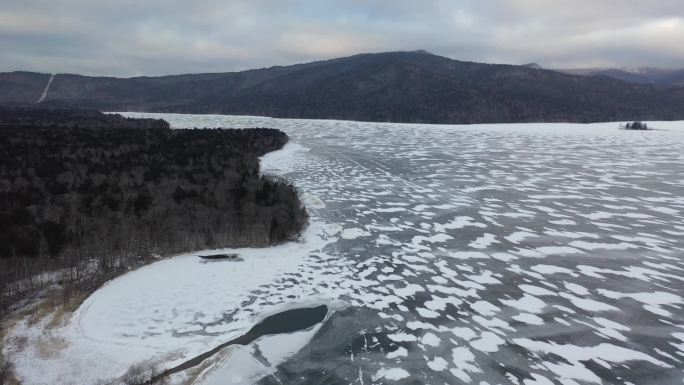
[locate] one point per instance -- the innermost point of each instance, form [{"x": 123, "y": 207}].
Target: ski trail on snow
[{"x": 45, "y": 91}]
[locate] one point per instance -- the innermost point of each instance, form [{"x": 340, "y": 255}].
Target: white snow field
[{"x": 486, "y": 254}]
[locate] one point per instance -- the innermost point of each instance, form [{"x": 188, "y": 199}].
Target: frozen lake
[
  {"x": 489, "y": 254},
  {"x": 507, "y": 254}
]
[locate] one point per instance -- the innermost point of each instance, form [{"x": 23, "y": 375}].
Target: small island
[{"x": 636, "y": 125}]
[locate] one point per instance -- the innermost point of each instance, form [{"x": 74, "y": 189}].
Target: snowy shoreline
[{"x": 172, "y": 310}]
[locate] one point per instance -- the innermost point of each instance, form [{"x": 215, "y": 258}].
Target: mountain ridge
[
  {"x": 400, "y": 86},
  {"x": 641, "y": 75}
]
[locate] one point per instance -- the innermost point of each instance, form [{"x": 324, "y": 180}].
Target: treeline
[
  {"x": 18, "y": 115},
  {"x": 81, "y": 204},
  {"x": 636, "y": 125}
]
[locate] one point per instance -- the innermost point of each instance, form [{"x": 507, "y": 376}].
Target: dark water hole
[{"x": 287, "y": 321}]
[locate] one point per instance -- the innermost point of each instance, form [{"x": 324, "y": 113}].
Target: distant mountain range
[
  {"x": 642, "y": 75},
  {"x": 393, "y": 86}
]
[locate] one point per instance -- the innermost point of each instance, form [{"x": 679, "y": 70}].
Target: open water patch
[{"x": 288, "y": 321}]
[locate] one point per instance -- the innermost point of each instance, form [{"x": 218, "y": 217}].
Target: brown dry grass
[
  {"x": 53, "y": 305},
  {"x": 36, "y": 311},
  {"x": 6, "y": 373},
  {"x": 48, "y": 346},
  {"x": 195, "y": 373},
  {"x": 63, "y": 311}
]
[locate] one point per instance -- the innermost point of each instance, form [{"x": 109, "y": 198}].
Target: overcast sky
[{"x": 152, "y": 37}]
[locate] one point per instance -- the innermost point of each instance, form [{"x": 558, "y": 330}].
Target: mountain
[
  {"x": 676, "y": 78},
  {"x": 644, "y": 75},
  {"x": 393, "y": 86},
  {"x": 22, "y": 86},
  {"x": 533, "y": 66}
]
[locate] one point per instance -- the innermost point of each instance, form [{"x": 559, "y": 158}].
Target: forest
[
  {"x": 85, "y": 196},
  {"x": 406, "y": 87}
]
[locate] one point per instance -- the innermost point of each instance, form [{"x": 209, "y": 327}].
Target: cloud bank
[{"x": 153, "y": 37}]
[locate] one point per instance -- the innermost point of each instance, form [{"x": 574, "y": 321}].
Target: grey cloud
[{"x": 128, "y": 37}]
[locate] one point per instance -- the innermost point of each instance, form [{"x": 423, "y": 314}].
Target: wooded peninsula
[{"x": 85, "y": 196}]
